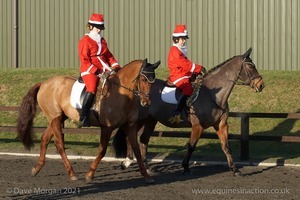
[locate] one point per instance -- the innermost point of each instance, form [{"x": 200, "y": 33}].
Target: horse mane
[
  {"x": 198, "y": 82},
  {"x": 138, "y": 60},
  {"x": 219, "y": 65}
]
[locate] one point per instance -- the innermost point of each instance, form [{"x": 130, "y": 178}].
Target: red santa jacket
[
  {"x": 180, "y": 66},
  {"x": 94, "y": 56}
]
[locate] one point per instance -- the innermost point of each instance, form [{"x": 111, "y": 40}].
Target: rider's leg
[{"x": 86, "y": 106}]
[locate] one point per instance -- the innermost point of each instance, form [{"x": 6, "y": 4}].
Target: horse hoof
[
  {"x": 126, "y": 163},
  {"x": 150, "y": 171},
  {"x": 150, "y": 181},
  {"x": 238, "y": 174},
  {"x": 33, "y": 172},
  {"x": 74, "y": 178},
  {"x": 123, "y": 167},
  {"x": 88, "y": 178}
]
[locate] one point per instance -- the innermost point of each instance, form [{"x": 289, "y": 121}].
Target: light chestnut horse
[
  {"x": 115, "y": 106},
  {"x": 209, "y": 109}
]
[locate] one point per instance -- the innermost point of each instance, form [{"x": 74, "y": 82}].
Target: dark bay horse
[
  {"x": 115, "y": 105},
  {"x": 210, "y": 108}
]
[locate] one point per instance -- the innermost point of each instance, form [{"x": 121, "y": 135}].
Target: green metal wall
[
  {"x": 6, "y": 28},
  {"x": 49, "y": 30}
]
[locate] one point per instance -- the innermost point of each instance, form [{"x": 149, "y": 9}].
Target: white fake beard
[
  {"x": 95, "y": 36},
  {"x": 183, "y": 49}
]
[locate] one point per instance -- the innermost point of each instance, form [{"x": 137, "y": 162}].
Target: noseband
[
  {"x": 250, "y": 79},
  {"x": 137, "y": 91}
]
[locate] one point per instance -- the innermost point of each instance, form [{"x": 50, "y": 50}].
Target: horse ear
[
  {"x": 145, "y": 61},
  {"x": 247, "y": 54},
  {"x": 155, "y": 65}
]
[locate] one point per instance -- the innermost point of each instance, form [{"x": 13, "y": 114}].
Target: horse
[
  {"x": 208, "y": 109},
  {"x": 115, "y": 106}
]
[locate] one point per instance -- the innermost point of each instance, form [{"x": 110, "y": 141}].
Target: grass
[{"x": 281, "y": 94}]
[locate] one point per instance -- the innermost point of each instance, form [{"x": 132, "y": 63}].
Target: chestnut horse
[
  {"x": 210, "y": 108},
  {"x": 115, "y": 106}
]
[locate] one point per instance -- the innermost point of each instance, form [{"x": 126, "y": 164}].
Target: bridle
[
  {"x": 240, "y": 81},
  {"x": 145, "y": 74},
  {"x": 137, "y": 91},
  {"x": 250, "y": 79}
]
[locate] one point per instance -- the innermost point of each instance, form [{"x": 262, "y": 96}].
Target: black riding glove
[
  {"x": 97, "y": 72},
  {"x": 203, "y": 70}
]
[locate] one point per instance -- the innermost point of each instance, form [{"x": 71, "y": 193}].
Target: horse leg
[
  {"x": 60, "y": 146},
  {"x": 143, "y": 148},
  {"x": 45, "y": 139},
  {"x": 145, "y": 138},
  {"x": 197, "y": 130},
  {"x": 132, "y": 136},
  {"x": 104, "y": 139},
  {"x": 129, "y": 158},
  {"x": 222, "y": 132}
]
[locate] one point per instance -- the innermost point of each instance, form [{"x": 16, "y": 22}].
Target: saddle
[
  {"x": 79, "y": 90},
  {"x": 171, "y": 93},
  {"x": 80, "y": 80}
]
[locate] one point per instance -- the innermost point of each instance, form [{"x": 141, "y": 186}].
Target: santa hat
[
  {"x": 97, "y": 20},
  {"x": 180, "y": 31}
]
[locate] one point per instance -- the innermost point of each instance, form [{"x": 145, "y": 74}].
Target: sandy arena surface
[{"x": 110, "y": 182}]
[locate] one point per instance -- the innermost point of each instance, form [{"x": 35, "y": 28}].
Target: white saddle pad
[
  {"x": 76, "y": 93},
  {"x": 168, "y": 95}
]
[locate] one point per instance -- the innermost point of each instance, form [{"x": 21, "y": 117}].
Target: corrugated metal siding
[
  {"x": 49, "y": 30},
  {"x": 6, "y": 29}
]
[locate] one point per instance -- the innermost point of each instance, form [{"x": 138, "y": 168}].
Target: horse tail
[
  {"x": 119, "y": 146},
  {"x": 27, "y": 113}
]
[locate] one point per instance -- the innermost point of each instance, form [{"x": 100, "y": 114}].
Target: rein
[
  {"x": 137, "y": 91},
  {"x": 247, "y": 73}
]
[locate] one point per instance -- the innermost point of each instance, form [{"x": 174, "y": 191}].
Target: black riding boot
[
  {"x": 86, "y": 106},
  {"x": 180, "y": 105}
]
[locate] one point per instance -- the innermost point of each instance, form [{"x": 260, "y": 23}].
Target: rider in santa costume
[
  {"x": 180, "y": 67},
  {"x": 95, "y": 59}
]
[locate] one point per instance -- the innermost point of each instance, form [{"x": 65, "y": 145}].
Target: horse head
[
  {"x": 249, "y": 74},
  {"x": 145, "y": 78}
]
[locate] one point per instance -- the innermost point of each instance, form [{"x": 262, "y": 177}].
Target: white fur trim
[
  {"x": 175, "y": 82},
  {"x": 193, "y": 68},
  {"x": 104, "y": 64},
  {"x": 180, "y": 34},
  {"x": 96, "y": 22},
  {"x": 87, "y": 71},
  {"x": 115, "y": 64}
]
